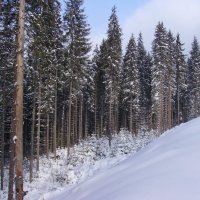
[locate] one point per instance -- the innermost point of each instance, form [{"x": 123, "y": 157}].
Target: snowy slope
[{"x": 167, "y": 169}]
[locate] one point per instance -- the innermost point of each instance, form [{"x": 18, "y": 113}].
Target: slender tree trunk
[
  {"x": 125, "y": 120},
  {"x": 32, "y": 139},
  {"x": 117, "y": 117},
  {"x": 131, "y": 118},
  {"x": 110, "y": 120},
  {"x": 86, "y": 123},
  {"x": 55, "y": 121},
  {"x": 11, "y": 161},
  {"x": 76, "y": 122},
  {"x": 101, "y": 129},
  {"x": 3, "y": 133},
  {"x": 178, "y": 105},
  {"x": 19, "y": 103},
  {"x": 80, "y": 120},
  {"x": 95, "y": 114},
  {"x": 2, "y": 150},
  {"x": 47, "y": 140},
  {"x": 38, "y": 125},
  {"x": 62, "y": 128},
  {"x": 69, "y": 120},
  {"x": 161, "y": 109},
  {"x": 170, "y": 106}
]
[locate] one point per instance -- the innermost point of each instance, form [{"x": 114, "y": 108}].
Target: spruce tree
[
  {"x": 170, "y": 81},
  {"x": 144, "y": 66},
  {"x": 159, "y": 71},
  {"x": 101, "y": 62},
  {"x": 194, "y": 79},
  {"x": 44, "y": 66},
  {"x": 131, "y": 86},
  {"x": 8, "y": 19},
  {"x": 113, "y": 70},
  {"x": 77, "y": 48},
  {"x": 180, "y": 64}
]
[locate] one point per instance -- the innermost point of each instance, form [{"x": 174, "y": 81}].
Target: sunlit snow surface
[{"x": 167, "y": 169}]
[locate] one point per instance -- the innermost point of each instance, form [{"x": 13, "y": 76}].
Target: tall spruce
[
  {"x": 77, "y": 48},
  {"x": 180, "y": 64},
  {"x": 8, "y": 19},
  {"x": 159, "y": 71},
  {"x": 100, "y": 62},
  {"x": 170, "y": 81},
  {"x": 131, "y": 87},
  {"x": 194, "y": 79},
  {"x": 44, "y": 65},
  {"x": 144, "y": 66},
  {"x": 112, "y": 72}
]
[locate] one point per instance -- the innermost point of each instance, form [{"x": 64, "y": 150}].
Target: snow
[
  {"x": 167, "y": 169},
  {"x": 14, "y": 139},
  {"x": 86, "y": 159}
]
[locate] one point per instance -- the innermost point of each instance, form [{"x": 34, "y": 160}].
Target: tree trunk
[
  {"x": 19, "y": 103},
  {"x": 55, "y": 121},
  {"x": 95, "y": 113},
  {"x": 80, "y": 120},
  {"x": 62, "y": 128},
  {"x": 101, "y": 129},
  {"x": 131, "y": 118},
  {"x": 86, "y": 123},
  {"x": 69, "y": 120},
  {"x": 170, "y": 106},
  {"x": 161, "y": 109},
  {"x": 38, "y": 125},
  {"x": 32, "y": 139},
  {"x": 75, "y": 124},
  {"x": 110, "y": 119},
  {"x": 47, "y": 140},
  {"x": 178, "y": 105},
  {"x": 3, "y": 133},
  {"x": 12, "y": 161}
]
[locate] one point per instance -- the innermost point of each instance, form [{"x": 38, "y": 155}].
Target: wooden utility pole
[{"x": 19, "y": 103}]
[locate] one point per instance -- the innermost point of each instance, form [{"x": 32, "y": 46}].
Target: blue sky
[
  {"x": 98, "y": 11},
  {"x": 180, "y": 16}
]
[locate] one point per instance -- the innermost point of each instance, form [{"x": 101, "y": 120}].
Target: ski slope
[{"x": 167, "y": 169}]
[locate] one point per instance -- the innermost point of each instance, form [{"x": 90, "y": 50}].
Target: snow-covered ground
[
  {"x": 87, "y": 159},
  {"x": 167, "y": 169}
]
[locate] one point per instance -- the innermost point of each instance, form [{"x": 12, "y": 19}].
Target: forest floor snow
[{"x": 86, "y": 159}]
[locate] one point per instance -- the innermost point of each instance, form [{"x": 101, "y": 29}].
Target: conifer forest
[{"x": 57, "y": 88}]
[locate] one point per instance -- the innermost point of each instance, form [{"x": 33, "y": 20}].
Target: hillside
[{"x": 167, "y": 169}]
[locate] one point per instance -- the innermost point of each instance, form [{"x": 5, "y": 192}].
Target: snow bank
[{"x": 167, "y": 169}]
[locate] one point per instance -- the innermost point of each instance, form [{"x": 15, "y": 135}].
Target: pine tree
[
  {"x": 8, "y": 19},
  {"x": 44, "y": 66},
  {"x": 144, "y": 66},
  {"x": 100, "y": 61},
  {"x": 180, "y": 81},
  {"x": 131, "y": 86},
  {"x": 159, "y": 71},
  {"x": 170, "y": 80},
  {"x": 194, "y": 79},
  {"x": 113, "y": 70},
  {"x": 148, "y": 89},
  {"x": 77, "y": 49}
]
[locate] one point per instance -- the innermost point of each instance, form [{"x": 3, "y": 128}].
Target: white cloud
[{"x": 180, "y": 16}]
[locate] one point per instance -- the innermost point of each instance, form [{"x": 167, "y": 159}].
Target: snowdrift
[{"x": 167, "y": 169}]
